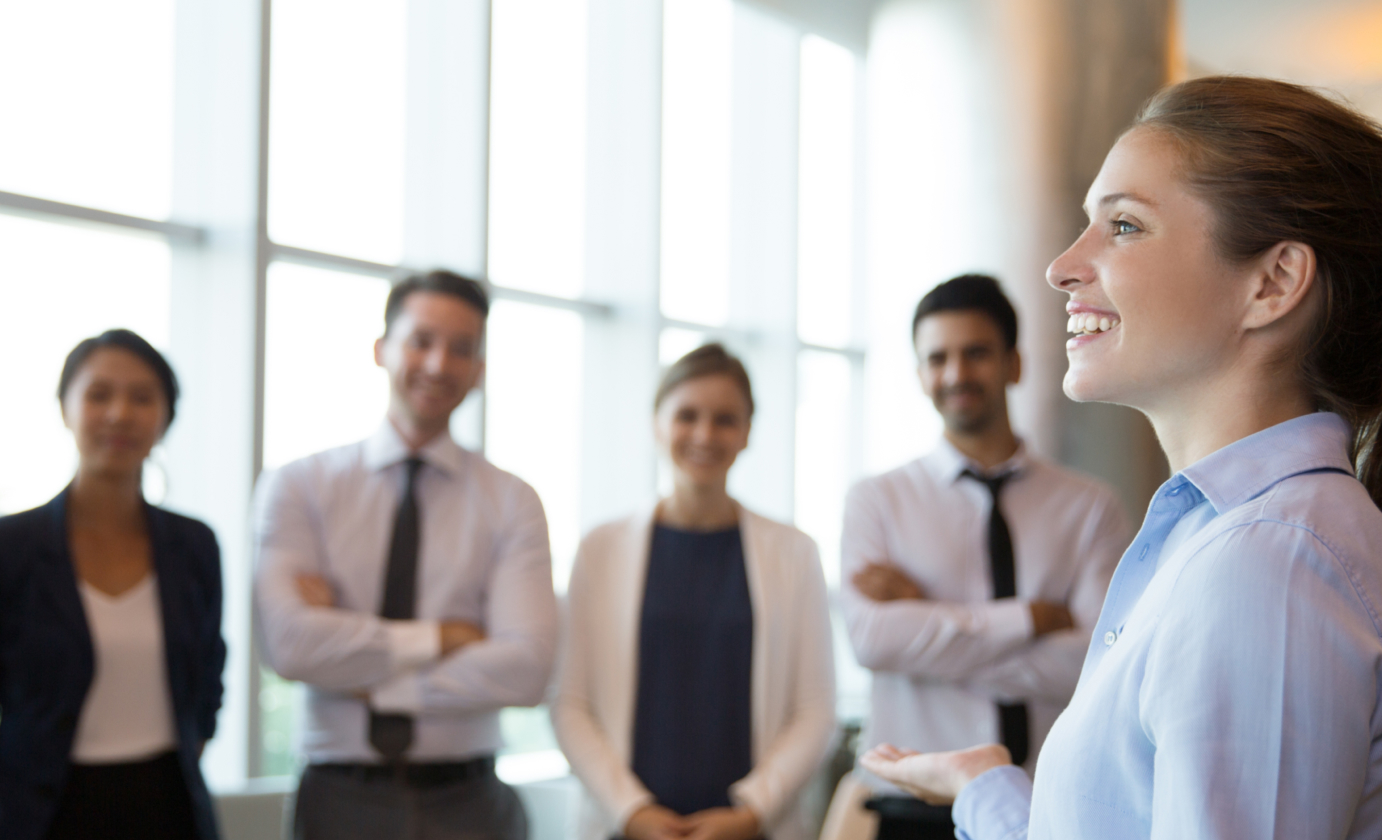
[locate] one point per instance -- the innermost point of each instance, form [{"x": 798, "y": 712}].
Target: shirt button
[{"x": 1109, "y": 638}]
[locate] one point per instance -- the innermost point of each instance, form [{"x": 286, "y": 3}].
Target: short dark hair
[
  {"x": 974, "y": 292},
  {"x": 130, "y": 342},
  {"x": 707, "y": 360},
  {"x": 441, "y": 281}
]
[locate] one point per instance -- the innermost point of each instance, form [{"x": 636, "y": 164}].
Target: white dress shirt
[
  {"x": 792, "y": 677},
  {"x": 128, "y": 712},
  {"x": 483, "y": 558},
  {"x": 940, "y": 664}
]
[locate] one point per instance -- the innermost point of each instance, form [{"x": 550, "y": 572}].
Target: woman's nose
[{"x": 1071, "y": 268}]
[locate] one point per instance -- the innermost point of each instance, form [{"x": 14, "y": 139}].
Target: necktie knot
[
  {"x": 993, "y": 483},
  {"x": 414, "y": 466}
]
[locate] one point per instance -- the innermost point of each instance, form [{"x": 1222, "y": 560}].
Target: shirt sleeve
[
  {"x": 1049, "y": 668},
  {"x": 792, "y": 758},
  {"x": 938, "y": 639},
  {"x": 333, "y": 649},
  {"x": 995, "y": 806},
  {"x": 511, "y": 665},
  {"x": 1259, "y": 691}
]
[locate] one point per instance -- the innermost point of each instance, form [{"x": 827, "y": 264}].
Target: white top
[
  {"x": 939, "y": 665},
  {"x": 484, "y": 558},
  {"x": 128, "y": 711},
  {"x": 792, "y": 676}
]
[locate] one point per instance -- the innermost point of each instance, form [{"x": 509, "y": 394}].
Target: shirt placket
[{"x": 1137, "y": 566}]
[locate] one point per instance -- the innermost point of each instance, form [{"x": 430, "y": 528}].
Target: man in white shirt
[
  {"x": 408, "y": 582},
  {"x": 973, "y": 616}
]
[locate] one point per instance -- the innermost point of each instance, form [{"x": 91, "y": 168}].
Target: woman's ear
[{"x": 1284, "y": 276}]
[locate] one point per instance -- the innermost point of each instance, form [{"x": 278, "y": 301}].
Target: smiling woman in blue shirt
[{"x": 1229, "y": 285}]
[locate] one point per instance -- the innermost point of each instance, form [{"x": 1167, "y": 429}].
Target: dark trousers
[
  {"x": 141, "y": 800},
  {"x": 460, "y": 801},
  {"x": 904, "y": 818}
]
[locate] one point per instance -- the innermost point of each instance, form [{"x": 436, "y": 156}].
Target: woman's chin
[{"x": 1083, "y": 386}]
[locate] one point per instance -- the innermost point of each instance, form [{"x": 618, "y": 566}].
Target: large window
[
  {"x": 63, "y": 283},
  {"x": 86, "y": 88},
  {"x": 634, "y": 179},
  {"x": 336, "y": 124}
]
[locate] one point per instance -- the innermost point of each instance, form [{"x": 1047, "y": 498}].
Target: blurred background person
[
  {"x": 110, "y": 626},
  {"x": 1228, "y": 286},
  {"x": 408, "y": 582},
  {"x": 974, "y": 573},
  {"x": 696, "y": 691}
]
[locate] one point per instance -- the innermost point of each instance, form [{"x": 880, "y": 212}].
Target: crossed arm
[{"x": 502, "y": 659}]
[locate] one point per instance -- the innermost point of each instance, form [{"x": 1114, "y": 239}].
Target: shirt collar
[
  {"x": 1246, "y": 468},
  {"x": 386, "y": 447},
  {"x": 947, "y": 464}
]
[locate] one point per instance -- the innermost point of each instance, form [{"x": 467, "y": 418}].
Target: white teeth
[{"x": 1089, "y": 323}]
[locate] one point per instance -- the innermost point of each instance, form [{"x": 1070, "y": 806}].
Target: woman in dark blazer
[{"x": 110, "y": 614}]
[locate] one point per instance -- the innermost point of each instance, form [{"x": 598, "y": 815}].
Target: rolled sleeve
[
  {"x": 334, "y": 649},
  {"x": 512, "y": 665},
  {"x": 938, "y": 639}
]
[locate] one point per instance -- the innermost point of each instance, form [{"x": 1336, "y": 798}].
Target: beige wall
[{"x": 988, "y": 119}]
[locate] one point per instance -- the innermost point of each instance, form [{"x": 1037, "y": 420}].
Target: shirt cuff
[
  {"x": 400, "y": 695},
  {"x": 1011, "y": 618},
  {"x": 997, "y": 805},
  {"x": 413, "y": 643}
]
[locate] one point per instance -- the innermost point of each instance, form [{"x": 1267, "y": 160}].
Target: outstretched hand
[{"x": 935, "y": 778}]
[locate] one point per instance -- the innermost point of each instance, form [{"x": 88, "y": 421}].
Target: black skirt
[{"x": 147, "y": 800}]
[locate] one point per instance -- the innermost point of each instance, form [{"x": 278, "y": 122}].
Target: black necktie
[
  {"x": 1012, "y": 717},
  {"x": 392, "y": 734}
]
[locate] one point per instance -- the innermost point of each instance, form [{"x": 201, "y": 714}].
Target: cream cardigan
[{"x": 792, "y": 677}]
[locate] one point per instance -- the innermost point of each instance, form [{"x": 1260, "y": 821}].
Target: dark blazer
[{"x": 47, "y": 662}]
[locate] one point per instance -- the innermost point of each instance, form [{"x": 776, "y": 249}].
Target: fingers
[
  {"x": 875, "y": 582},
  {"x": 457, "y": 634},
  {"x": 923, "y": 775},
  {"x": 722, "y": 824},
  {"x": 892, "y": 753},
  {"x": 936, "y": 778},
  {"x": 885, "y": 582},
  {"x": 315, "y": 591}
]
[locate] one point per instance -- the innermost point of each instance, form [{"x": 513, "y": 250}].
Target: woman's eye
[{"x": 1122, "y": 226}]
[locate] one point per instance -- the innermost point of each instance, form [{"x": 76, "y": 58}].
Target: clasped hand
[
  {"x": 654, "y": 822},
  {"x": 935, "y": 778}
]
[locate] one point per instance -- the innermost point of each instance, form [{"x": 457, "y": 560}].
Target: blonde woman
[{"x": 697, "y": 691}]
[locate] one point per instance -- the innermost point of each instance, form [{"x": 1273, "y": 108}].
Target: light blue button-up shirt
[{"x": 1232, "y": 683}]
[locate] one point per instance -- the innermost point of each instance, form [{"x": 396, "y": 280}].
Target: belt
[{"x": 423, "y": 774}]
